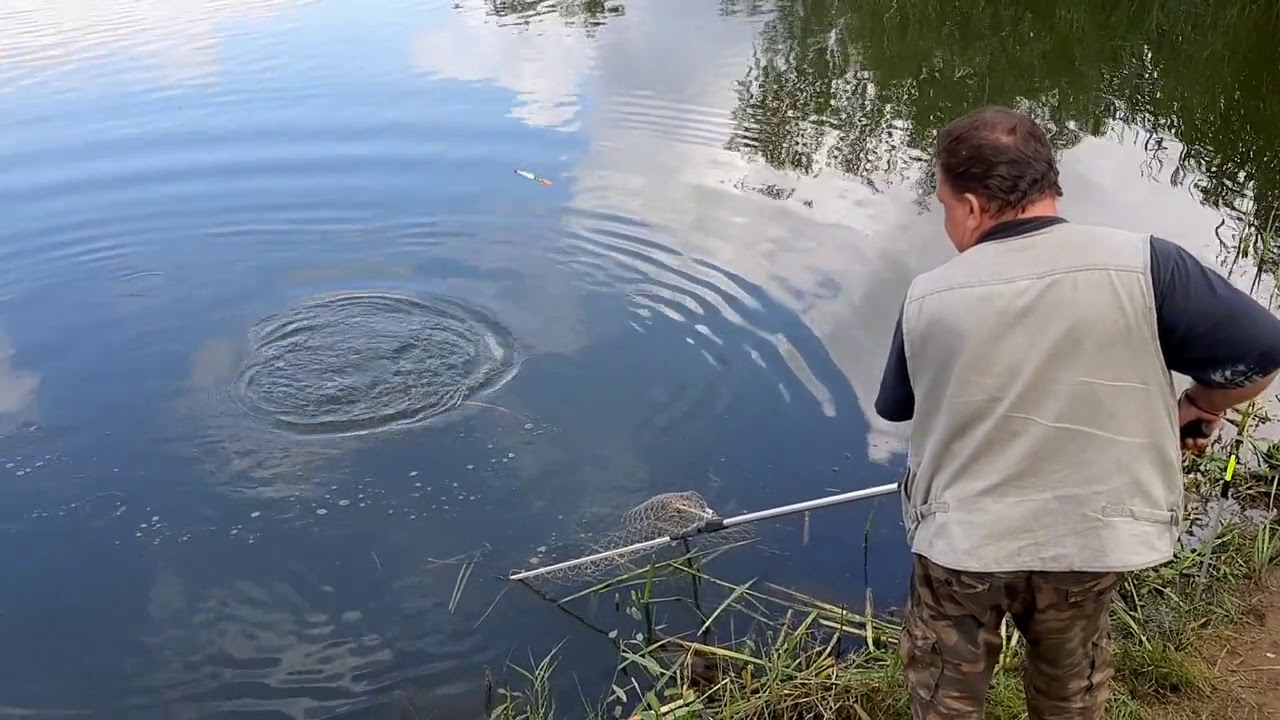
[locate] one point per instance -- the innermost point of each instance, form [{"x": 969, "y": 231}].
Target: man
[{"x": 1045, "y": 457}]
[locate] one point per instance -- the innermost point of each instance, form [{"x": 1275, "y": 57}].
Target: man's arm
[
  {"x": 896, "y": 401},
  {"x": 1212, "y": 331}
]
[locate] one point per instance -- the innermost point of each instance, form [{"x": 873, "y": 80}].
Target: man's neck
[
  {"x": 1047, "y": 207},
  {"x": 1040, "y": 208}
]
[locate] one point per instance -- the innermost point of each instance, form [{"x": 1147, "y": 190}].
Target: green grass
[{"x": 764, "y": 652}]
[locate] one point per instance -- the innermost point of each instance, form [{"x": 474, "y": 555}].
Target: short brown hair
[{"x": 1001, "y": 156}]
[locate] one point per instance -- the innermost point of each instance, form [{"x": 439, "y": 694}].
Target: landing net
[{"x": 658, "y": 517}]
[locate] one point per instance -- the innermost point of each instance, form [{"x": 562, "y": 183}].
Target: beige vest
[{"x": 1045, "y": 434}]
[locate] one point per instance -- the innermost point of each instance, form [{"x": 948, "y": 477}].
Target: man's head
[{"x": 993, "y": 164}]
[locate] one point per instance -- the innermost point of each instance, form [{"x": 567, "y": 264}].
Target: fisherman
[{"x": 1044, "y": 457}]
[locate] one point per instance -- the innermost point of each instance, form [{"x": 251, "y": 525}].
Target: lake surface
[{"x": 254, "y": 253}]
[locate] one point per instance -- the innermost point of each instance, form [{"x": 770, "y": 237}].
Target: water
[{"x": 282, "y": 326}]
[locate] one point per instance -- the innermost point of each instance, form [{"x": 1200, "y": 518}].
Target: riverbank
[{"x": 1189, "y": 640}]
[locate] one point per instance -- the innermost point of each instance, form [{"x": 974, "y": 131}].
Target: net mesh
[{"x": 658, "y": 517}]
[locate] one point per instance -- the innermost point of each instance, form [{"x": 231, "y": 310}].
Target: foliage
[{"x": 862, "y": 86}]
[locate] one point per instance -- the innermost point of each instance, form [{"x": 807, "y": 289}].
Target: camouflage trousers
[{"x": 951, "y": 641}]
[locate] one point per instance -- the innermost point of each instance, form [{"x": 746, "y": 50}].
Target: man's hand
[{"x": 1189, "y": 413}]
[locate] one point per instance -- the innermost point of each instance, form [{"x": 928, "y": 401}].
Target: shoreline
[{"x": 1175, "y": 628}]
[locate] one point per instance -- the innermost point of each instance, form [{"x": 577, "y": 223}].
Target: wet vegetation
[{"x": 701, "y": 647}]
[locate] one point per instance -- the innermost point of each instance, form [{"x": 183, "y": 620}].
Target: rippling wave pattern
[
  {"x": 677, "y": 122},
  {"x": 178, "y": 37},
  {"x": 238, "y": 262},
  {"x": 608, "y": 250},
  {"x": 357, "y": 362}
]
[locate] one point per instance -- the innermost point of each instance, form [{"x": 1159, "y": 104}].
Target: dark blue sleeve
[
  {"x": 1210, "y": 330},
  {"x": 896, "y": 401}
]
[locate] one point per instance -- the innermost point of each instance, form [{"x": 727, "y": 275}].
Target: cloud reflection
[
  {"x": 178, "y": 37},
  {"x": 282, "y": 652},
  {"x": 17, "y": 388},
  {"x": 838, "y": 249},
  {"x": 543, "y": 64}
]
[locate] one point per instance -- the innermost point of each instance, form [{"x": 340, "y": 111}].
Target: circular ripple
[{"x": 358, "y": 362}]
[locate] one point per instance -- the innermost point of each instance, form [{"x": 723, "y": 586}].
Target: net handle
[
  {"x": 714, "y": 524},
  {"x": 802, "y": 506}
]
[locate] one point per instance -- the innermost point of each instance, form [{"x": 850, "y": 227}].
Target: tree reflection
[
  {"x": 589, "y": 14},
  {"x": 862, "y": 86}
]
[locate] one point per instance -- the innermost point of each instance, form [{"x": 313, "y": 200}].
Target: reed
[{"x": 766, "y": 652}]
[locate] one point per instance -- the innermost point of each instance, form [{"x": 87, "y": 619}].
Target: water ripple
[
  {"x": 672, "y": 121},
  {"x": 179, "y": 39},
  {"x": 358, "y": 362},
  {"x": 680, "y": 287},
  {"x": 267, "y": 647}
]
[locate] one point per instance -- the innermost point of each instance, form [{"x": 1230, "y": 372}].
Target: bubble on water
[
  {"x": 471, "y": 467},
  {"x": 322, "y": 511},
  {"x": 413, "y": 473},
  {"x": 359, "y": 361},
  {"x": 344, "y": 503},
  {"x": 528, "y": 426},
  {"x": 255, "y": 514},
  {"x": 351, "y": 616}
]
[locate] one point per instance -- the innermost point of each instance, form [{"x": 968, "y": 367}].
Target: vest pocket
[{"x": 1159, "y": 517}]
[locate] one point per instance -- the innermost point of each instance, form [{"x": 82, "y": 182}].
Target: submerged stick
[
  {"x": 460, "y": 583},
  {"x": 477, "y": 403},
  {"x": 492, "y": 605},
  {"x": 462, "y": 559}
]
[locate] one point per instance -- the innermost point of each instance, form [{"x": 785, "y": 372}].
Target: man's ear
[{"x": 974, "y": 207}]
